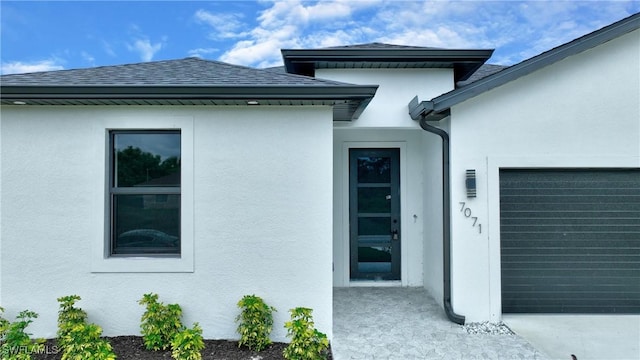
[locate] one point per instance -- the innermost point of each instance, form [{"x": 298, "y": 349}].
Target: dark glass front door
[{"x": 374, "y": 214}]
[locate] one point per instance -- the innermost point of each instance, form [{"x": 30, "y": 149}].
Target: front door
[{"x": 374, "y": 214}]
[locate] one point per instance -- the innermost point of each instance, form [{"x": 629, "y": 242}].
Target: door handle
[{"x": 394, "y": 234}]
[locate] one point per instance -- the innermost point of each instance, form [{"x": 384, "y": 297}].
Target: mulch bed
[{"x": 132, "y": 348}]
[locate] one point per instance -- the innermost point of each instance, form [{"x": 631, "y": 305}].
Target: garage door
[{"x": 570, "y": 241}]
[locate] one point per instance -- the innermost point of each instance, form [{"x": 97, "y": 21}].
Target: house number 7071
[{"x": 467, "y": 213}]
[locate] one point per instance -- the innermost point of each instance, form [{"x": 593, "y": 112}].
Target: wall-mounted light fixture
[{"x": 470, "y": 182}]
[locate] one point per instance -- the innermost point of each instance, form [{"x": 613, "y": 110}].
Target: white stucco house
[{"x": 498, "y": 189}]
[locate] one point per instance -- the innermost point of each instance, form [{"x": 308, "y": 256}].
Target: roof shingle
[{"x": 183, "y": 72}]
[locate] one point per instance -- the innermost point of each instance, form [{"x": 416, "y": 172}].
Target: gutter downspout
[{"x": 446, "y": 211}]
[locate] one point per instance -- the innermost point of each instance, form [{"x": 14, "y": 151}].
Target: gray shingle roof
[
  {"x": 189, "y": 81},
  {"x": 484, "y": 71},
  {"x": 187, "y": 72}
]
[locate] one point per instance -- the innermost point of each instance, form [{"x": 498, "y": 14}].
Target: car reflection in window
[{"x": 147, "y": 238}]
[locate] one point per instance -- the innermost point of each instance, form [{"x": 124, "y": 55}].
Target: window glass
[
  {"x": 147, "y": 159},
  {"x": 145, "y": 192},
  {"x": 146, "y": 223}
]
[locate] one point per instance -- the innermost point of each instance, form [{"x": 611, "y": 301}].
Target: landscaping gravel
[{"x": 488, "y": 328}]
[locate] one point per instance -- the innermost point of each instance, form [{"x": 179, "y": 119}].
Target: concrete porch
[{"x": 406, "y": 323}]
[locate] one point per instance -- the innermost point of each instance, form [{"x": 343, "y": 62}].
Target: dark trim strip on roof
[
  {"x": 391, "y": 54},
  {"x": 464, "y": 62},
  {"x": 342, "y": 92},
  {"x": 445, "y": 101},
  {"x": 349, "y": 101}
]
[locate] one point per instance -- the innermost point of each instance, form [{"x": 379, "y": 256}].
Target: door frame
[{"x": 346, "y": 146}]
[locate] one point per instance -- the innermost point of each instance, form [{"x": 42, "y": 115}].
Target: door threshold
[{"x": 375, "y": 283}]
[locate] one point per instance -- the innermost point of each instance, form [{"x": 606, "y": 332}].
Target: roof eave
[
  {"x": 306, "y": 61},
  {"x": 169, "y": 91},
  {"x": 355, "y": 95}
]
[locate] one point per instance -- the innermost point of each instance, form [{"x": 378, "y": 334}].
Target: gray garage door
[{"x": 570, "y": 241}]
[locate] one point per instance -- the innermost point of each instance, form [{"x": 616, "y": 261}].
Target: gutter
[
  {"x": 69, "y": 92},
  {"x": 424, "y": 112},
  {"x": 348, "y": 101}
]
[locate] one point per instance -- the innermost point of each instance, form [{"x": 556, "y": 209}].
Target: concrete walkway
[
  {"x": 589, "y": 337},
  {"x": 406, "y": 323}
]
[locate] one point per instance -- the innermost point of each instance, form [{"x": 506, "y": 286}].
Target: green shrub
[
  {"x": 83, "y": 342},
  {"x": 160, "y": 322},
  {"x": 256, "y": 322},
  {"x": 15, "y": 343},
  {"x": 306, "y": 341},
  {"x": 68, "y": 317},
  {"x": 188, "y": 344},
  {"x": 4, "y": 324},
  {"x": 77, "y": 339}
]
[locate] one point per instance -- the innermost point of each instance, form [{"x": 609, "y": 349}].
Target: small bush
[
  {"x": 83, "y": 342},
  {"x": 77, "y": 339},
  {"x": 306, "y": 342},
  {"x": 15, "y": 343},
  {"x": 188, "y": 344},
  {"x": 68, "y": 317},
  {"x": 256, "y": 322},
  {"x": 4, "y": 324},
  {"x": 160, "y": 322}
]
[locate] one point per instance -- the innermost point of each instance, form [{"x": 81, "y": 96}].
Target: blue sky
[{"x": 54, "y": 35}]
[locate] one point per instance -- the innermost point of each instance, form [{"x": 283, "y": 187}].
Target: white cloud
[
  {"x": 19, "y": 67},
  {"x": 108, "y": 48},
  {"x": 88, "y": 58},
  {"x": 295, "y": 24},
  {"x": 145, "y": 49},
  {"x": 225, "y": 26},
  {"x": 516, "y": 29},
  {"x": 201, "y": 52},
  {"x": 260, "y": 54}
]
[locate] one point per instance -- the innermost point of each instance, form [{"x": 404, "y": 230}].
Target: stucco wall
[
  {"x": 583, "y": 111},
  {"x": 397, "y": 87},
  {"x": 260, "y": 185}
]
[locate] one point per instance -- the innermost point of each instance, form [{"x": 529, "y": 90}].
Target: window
[{"x": 144, "y": 193}]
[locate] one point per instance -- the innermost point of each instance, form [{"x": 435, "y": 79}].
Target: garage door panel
[
  {"x": 612, "y": 253},
  {"x": 575, "y": 229},
  {"x": 586, "y": 307},
  {"x": 561, "y": 271},
  {"x": 625, "y": 206},
  {"x": 587, "y": 222},
  {"x": 614, "y": 202},
  {"x": 570, "y": 258},
  {"x": 570, "y": 241},
  {"x": 527, "y": 215},
  {"x": 581, "y": 285},
  {"x": 577, "y": 297},
  {"x": 546, "y": 246},
  {"x": 596, "y": 237}
]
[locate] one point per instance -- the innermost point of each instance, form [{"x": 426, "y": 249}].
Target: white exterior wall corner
[
  {"x": 262, "y": 215},
  {"x": 583, "y": 111},
  {"x": 397, "y": 87}
]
